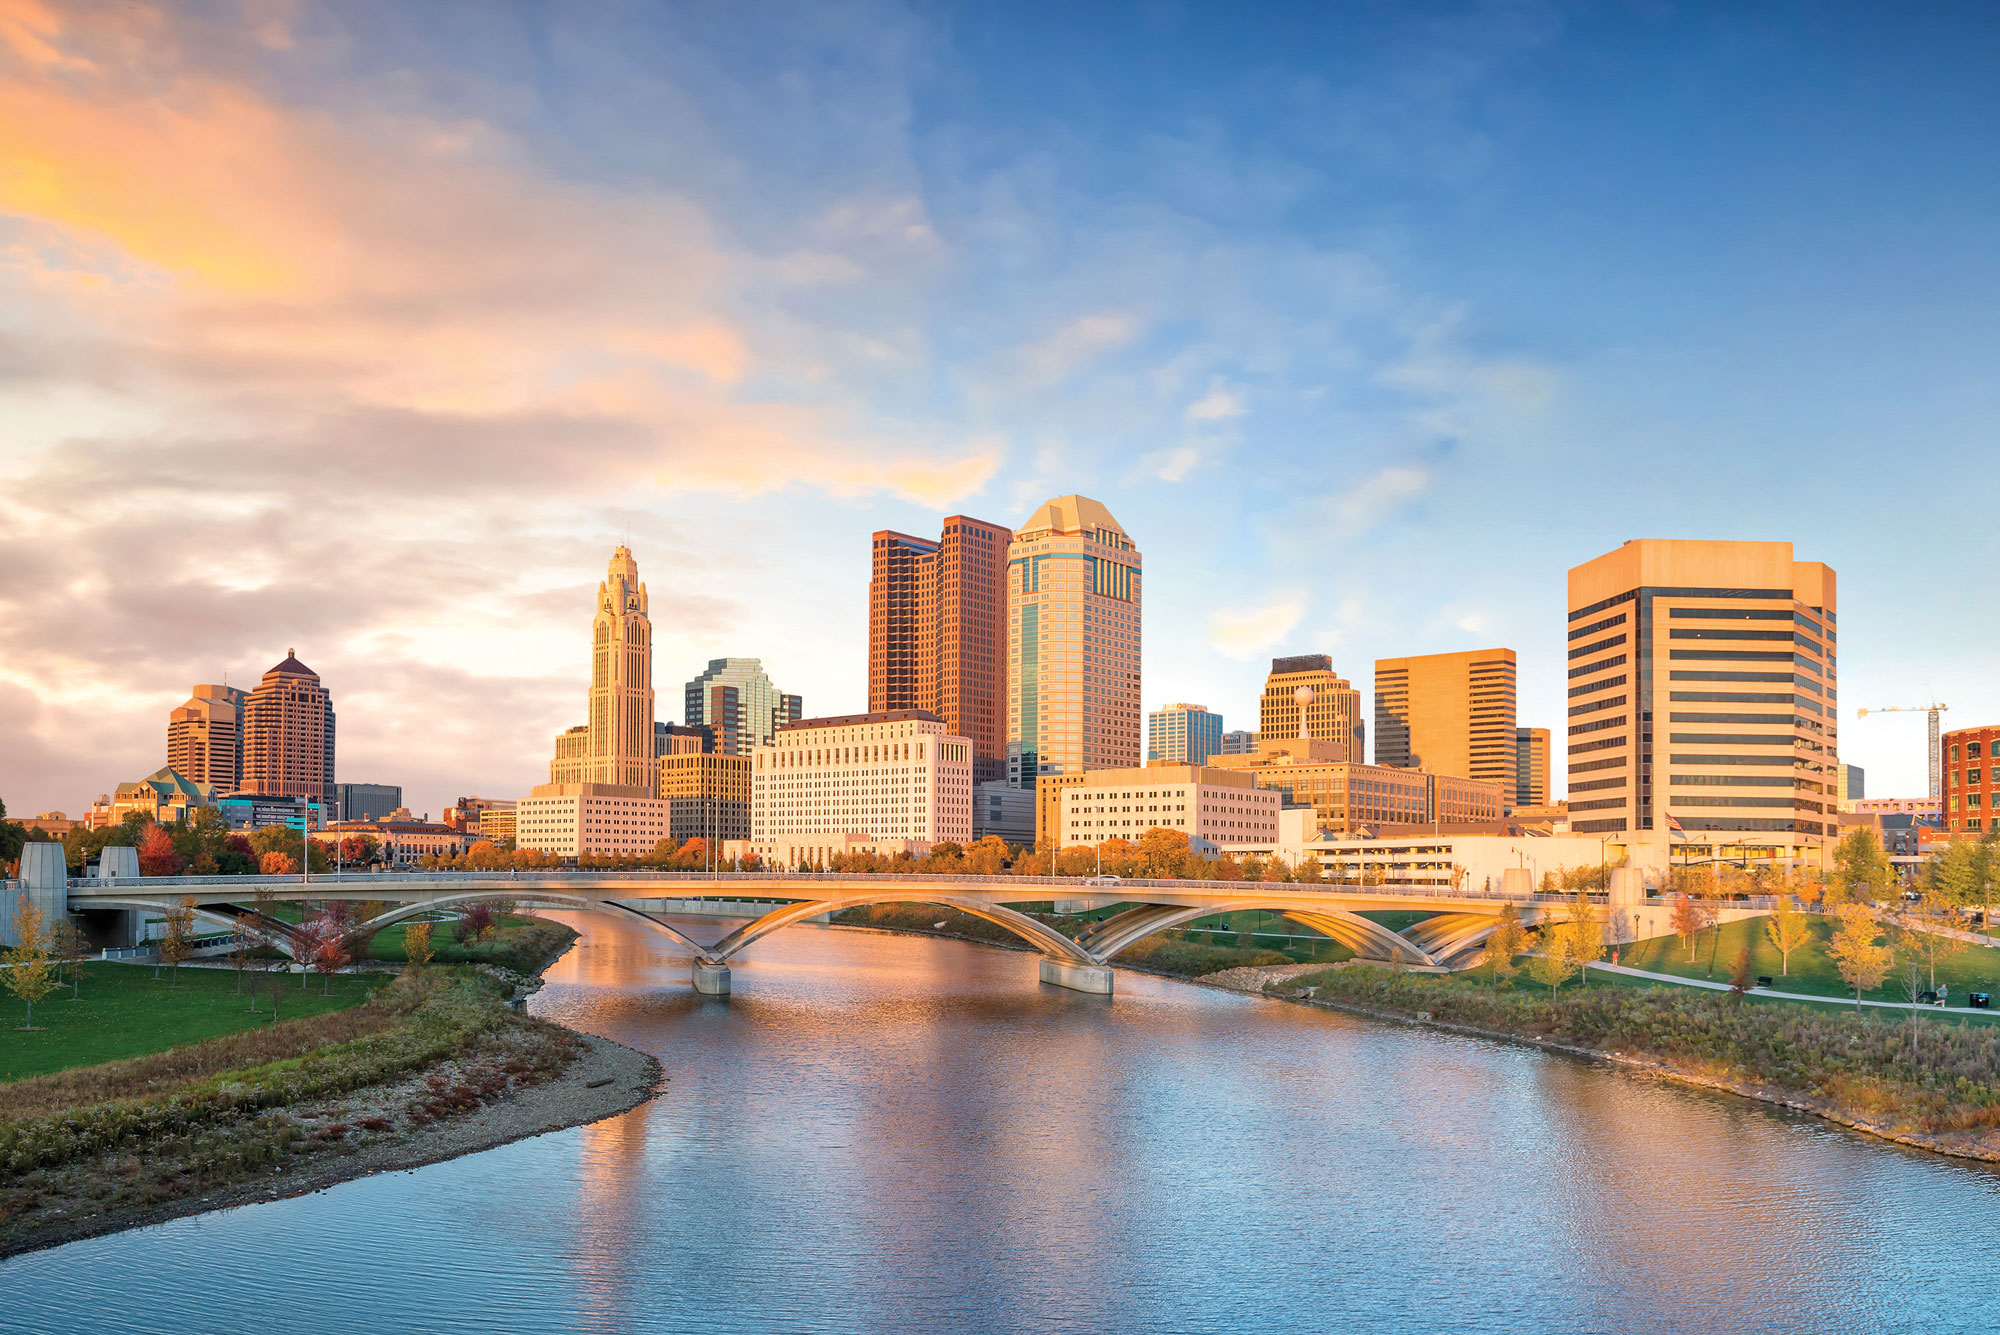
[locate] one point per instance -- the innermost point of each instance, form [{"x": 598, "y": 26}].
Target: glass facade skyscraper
[
  {"x": 739, "y": 706},
  {"x": 1183, "y": 734}
]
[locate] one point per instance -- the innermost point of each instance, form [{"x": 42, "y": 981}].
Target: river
[{"x": 892, "y": 1133}]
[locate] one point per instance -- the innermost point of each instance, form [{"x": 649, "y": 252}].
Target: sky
[{"x": 369, "y": 329}]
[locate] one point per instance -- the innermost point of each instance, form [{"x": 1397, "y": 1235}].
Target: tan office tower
[
  {"x": 1332, "y": 715},
  {"x": 288, "y": 735},
  {"x": 1448, "y": 713},
  {"x": 1702, "y": 699},
  {"x": 616, "y": 746},
  {"x": 205, "y": 737},
  {"x": 937, "y": 632},
  {"x": 1531, "y": 767},
  {"x": 1073, "y": 603}
]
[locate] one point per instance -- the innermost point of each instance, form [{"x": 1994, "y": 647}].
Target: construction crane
[{"x": 1937, "y": 752}]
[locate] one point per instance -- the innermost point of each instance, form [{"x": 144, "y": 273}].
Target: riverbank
[
  {"x": 436, "y": 1066},
  {"x": 1856, "y": 1071}
]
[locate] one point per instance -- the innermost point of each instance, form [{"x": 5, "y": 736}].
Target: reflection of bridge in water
[{"x": 1455, "y": 924}]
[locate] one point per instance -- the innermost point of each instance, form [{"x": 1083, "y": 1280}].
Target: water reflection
[{"x": 882, "y": 1133}]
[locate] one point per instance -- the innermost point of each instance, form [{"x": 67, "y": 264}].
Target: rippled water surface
[{"x": 883, "y": 1133}]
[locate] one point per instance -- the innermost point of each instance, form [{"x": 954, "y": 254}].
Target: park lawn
[
  {"x": 124, "y": 1012},
  {"x": 1973, "y": 969}
]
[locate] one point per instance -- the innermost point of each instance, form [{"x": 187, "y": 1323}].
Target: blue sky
[{"x": 369, "y": 329}]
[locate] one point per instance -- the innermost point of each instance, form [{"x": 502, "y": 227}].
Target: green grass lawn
[
  {"x": 1973, "y": 969},
  {"x": 124, "y": 1012}
]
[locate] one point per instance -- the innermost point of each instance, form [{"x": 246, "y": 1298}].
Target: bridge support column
[
  {"x": 711, "y": 980},
  {"x": 1077, "y": 977}
]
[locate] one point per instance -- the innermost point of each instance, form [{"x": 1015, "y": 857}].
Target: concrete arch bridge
[{"x": 1456, "y": 924}]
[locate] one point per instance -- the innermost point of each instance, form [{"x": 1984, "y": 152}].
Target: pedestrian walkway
[{"x": 1714, "y": 986}]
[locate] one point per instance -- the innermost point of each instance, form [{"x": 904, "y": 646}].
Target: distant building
[
  {"x": 1182, "y": 734},
  {"x": 472, "y": 814},
  {"x": 1331, "y": 714},
  {"x": 1449, "y": 714},
  {"x": 677, "y": 739},
  {"x": 937, "y": 632},
  {"x": 1853, "y": 784},
  {"x": 1048, "y": 807},
  {"x": 707, "y": 795},
  {"x": 573, "y": 819},
  {"x": 1971, "y": 778},
  {"x": 739, "y": 706},
  {"x": 401, "y": 840},
  {"x": 1926, "y": 810},
  {"x": 616, "y": 745},
  {"x": 205, "y": 737},
  {"x": 894, "y": 775},
  {"x": 366, "y": 801},
  {"x": 1350, "y": 797},
  {"x": 1224, "y": 807},
  {"x": 496, "y": 824},
  {"x": 253, "y": 811},
  {"x": 1531, "y": 767},
  {"x": 1000, "y": 809},
  {"x": 288, "y": 735},
  {"x": 52, "y": 823},
  {"x": 165, "y": 796},
  {"x": 1237, "y": 744},
  {"x": 1702, "y": 686},
  {"x": 1073, "y": 642}
]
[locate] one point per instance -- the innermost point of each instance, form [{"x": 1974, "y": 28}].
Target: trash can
[
  {"x": 1982, "y": 1001},
  {"x": 1763, "y": 980}
]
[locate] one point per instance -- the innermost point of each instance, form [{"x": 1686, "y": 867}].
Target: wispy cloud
[{"x": 1244, "y": 633}]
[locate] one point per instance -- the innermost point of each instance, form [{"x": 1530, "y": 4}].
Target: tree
[
  {"x": 275, "y": 863},
  {"x": 417, "y": 944},
  {"x": 178, "y": 943},
  {"x": 1862, "y": 869},
  {"x": 1739, "y": 971},
  {"x": 69, "y": 945},
  {"x": 1509, "y": 939},
  {"x": 1857, "y": 951},
  {"x": 1555, "y": 963},
  {"x": 1689, "y": 916},
  {"x": 329, "y": 954},
  {"x": 157, "y": 855},
  {"x": 986, "y": 857},
  {"x": 1163, "y": 853},
  {"x": 1788, "y": 929},
  {"x": 32, "y": 976},
  {"x": 475, "y": 921},
  {"x": 1928, "y": 928}
]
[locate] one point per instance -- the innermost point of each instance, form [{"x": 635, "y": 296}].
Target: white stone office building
[
  {"x": 569, "y": 819},
  {"x": 1224, "y": 807},
  {"x": 895, "y": 777}
]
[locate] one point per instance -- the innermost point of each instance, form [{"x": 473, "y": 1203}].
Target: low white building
[
  {"x": 1224, "y": 807},
  {"x": 894, "y": 779},
  {"x": 570, "y": 819},
  {"x": 1477, "y": 863}
]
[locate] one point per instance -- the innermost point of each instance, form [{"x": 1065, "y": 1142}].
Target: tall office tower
[
  {"x": 739, "y": 706},
  {"x": 937, "y": 632},
  {"x": 616, "y": 745},
  {"x": 288, "y": 735},
  {"x": 205, "y": 737},
  {"x": 1182, "y": 735},
  {"x": 1449, "y": 714},
  {"x": 1851, "y": 785},
  {"x": 1531, "y": 767},
  {"x": 1701, "y": 688},
  {"x": 1332, "y": 714},
  {"x": 1073, "y": 604}
]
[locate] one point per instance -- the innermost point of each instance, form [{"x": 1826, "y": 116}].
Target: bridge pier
[
  {"x": 1077, "y": 977},
  {"x": 711, "y": 980}
]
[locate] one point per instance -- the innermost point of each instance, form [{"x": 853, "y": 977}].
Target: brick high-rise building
[
  {"x": 1332, "y": 715},
  {"x": 1450, "y": 714},
  {"x": 288, "y": 735},
  {"x": 205, "y": 737},
  {"x": 1073, "y": 641},
  {"x": 937, "y": 632},
  {"x": 616, "y": 746},
  {"x": 1702, "y": 692}
]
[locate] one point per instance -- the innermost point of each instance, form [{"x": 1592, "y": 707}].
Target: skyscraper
[
  {"x": 1332, "y": 714},
  {"x": 288, "y": 735},
  {"x": 739, "y": 706},
  {"x": 1183, "y": 734},
  {"x": 1073, "y": 621},
  {"x": 1531, "y": 767},
  {"x": 1448, "y": 713},
  {"x": 205, "y": 737},
  {"x": 937, "y": 632},
  {"x": 1702, "y": 692},
  {"x": 616, "y": 745}
]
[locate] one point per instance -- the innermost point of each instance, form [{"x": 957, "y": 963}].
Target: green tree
[
  {"x": 32, "y": 975},
  {"x": 1861, "y": 869},
  {"x": 417, "y": 944},
  {"x": 1584, "y": 934},
  {"x": 1555, "y": 963},
  {"x": 1788, "y": 929},
  {"x": 178, "y": 943},
  {"x": 1509, "y": 939},
  {"x": 13, "y": 838},
  {"x": 1857, "y": 951}
]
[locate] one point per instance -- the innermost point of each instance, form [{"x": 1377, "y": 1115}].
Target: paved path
[{"x": 1714, "y": 986}]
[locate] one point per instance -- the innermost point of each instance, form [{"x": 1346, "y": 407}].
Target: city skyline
[{"x": 1334, "y": 330}]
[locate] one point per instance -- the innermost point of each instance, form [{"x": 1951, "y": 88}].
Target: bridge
[{"x": 1455, "y": 924}]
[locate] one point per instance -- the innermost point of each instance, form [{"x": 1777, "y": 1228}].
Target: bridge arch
[
  {"x": 530, "y": 899},
  {"x": 226, "y": 914},
  {"x": 1036, "y": 933},
  {"x": 1364, "y": 936}
]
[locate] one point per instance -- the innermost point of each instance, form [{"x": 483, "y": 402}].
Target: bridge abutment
[
  {"x": 1077, "y": 977},
  {"x": 711, "y": 980}
]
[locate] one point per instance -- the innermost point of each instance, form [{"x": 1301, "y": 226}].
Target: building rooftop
[
  {"x": 1071, "y": 514},
  {"x": 292, "y": 667},
  {"x": 880, "y": 716}
]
